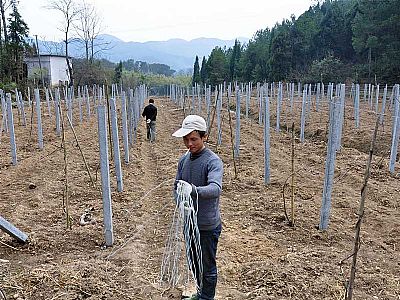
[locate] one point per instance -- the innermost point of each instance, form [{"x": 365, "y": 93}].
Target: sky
[{"x": 150, "y": 20}]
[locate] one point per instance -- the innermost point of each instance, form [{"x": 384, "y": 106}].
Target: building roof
[{"x": 48, "y": 55}]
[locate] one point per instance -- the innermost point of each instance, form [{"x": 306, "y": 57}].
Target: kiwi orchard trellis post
[
  {"x": 13, "y": 231},
  {"x": 303, "y": 115},
  {"x": 334, "y": 119},
  {"x": 70, "y": 101},
  {"x": 396, "y": 130},
  {"x": 267, "y": 173},
  {"x": 115, "y": 142},
  {"x": 105, "y": 175},
  {"x": 11, "y": 130},
  {"x": 278, "y": 106},
  {"x": 377, "y": 99},
  {"x": 247, "y": 101},
  {"x": 237, "y": 130},
  {"x": 22, "y": 109},
  {"x": 57, "y": 111},
  {"x": 260, "y": 95},
  {"x": 29, "y": 96},
  {"x": 357, "y": 107},
  {"x": 219, "y": 107},
  {"x": 365, "y": 92},
  {"x": 80, "y": 105},
  {"x": 46, "y": 90},
  {"x": 3, "y": 125},
  {"x": 382, "y": 115},
  {"x": 87, "y": 98},
  {"x": 342, "y": 95},
  {"x": 317, "y": 96},
  {"x": 39, "y": 119},
  {"x": 124, "y": 127},
  {"x": 391, "y": 99}
]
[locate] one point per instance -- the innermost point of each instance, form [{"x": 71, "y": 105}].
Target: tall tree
[
  {"x": 376, "y": 37},
  {"x": 118, "y": 73},
  {"x": 4, "y": 4},
  {"x": 18, "y": 32},
  {"x": 217, "y": 66},
  {"x": 203, "y": 70},
  {"x": 70, "y": 12},
  {"x": 196, "y": 72},
  {"x": 234, "y": 61}
]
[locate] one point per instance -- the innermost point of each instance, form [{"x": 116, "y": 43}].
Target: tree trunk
[
  {"x": 3, "y": 19},
  {"x": 71, "y": 78}
]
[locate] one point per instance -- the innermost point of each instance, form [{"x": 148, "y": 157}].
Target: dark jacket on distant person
[{"x": 150, "y": 112}]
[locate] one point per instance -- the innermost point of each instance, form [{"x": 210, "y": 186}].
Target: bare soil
[{"x": 259, "y": 256}]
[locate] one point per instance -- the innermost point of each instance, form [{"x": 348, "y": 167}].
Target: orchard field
[{"x": 259, "y": 256}]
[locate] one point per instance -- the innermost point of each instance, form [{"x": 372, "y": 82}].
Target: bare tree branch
[{"x": 70, "y": 12}]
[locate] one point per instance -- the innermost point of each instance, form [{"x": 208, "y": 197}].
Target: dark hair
[
  {"x": 201, "y": 133},
  {"x": 151, "y": 101}
]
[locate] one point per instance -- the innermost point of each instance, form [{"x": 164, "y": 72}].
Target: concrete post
[
  {"x": 57, "y": 104},
  {"x": 39, "y": 119},
  {"x": 11, "y": 130},
  {"x": 303, "y": 114},
  {"x": 395, "y": 131},
  {"x": 125, "y": 127},
  {"x": 237, "y": 131},
  {"x": 267, "y": 175},
  {"x": 105, "y": 175},
  {"x": 115, "y": 141},
  {"x": 334, "y": 112},
  {"x": 13, "y": 231}
]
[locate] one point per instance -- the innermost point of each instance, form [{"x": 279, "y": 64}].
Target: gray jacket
[{"x": 204, "y": 170}]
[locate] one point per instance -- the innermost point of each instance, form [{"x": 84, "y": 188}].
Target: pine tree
[
  {"x": 203, "y": 71},
  {"x": 118, "y": 72},
  {"x": 16, "y": 46},
  {"x": 196, "y": 72}
]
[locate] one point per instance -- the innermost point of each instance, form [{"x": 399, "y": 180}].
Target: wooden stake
[
  {"x": 350, "y": 286},
  {"x": 66, "y": 198},
  {"x": 80, "y": 149}
]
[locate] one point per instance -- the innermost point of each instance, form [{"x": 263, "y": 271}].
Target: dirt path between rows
[{"x": 259, "y": 255}]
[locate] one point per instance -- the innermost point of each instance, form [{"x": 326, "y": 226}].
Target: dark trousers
[
  {"x": 209, "y": 243},
  {"x": 151, "y": 131}
]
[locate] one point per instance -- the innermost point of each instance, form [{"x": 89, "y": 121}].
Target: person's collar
[{"x": 198, "y": 154}]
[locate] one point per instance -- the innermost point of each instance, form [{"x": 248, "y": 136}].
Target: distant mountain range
[{"x": 179, "y": 54}]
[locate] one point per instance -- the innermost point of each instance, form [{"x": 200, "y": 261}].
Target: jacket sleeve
[{"x": 214, "y": 181}]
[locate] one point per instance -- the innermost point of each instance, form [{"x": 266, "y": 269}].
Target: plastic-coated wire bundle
[{"x": 184, "y": 221}]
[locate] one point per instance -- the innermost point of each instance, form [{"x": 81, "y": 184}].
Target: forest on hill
[{"x": 334, "y": 40}]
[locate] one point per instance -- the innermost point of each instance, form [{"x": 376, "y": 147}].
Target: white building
[{"x": 54, "y": 68}]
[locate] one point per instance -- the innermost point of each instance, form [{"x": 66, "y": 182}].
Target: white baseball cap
[{"x": 189, "y": 124}]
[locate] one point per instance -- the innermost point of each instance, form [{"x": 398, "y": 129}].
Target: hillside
[{"x": 177, "y": 53}]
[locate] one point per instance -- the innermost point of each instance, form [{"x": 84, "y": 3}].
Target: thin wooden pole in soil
[
  {"x": 350, "y": 286},
  {"x": 80, "y": 149},
  {"x": 65, "y": 198}
]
